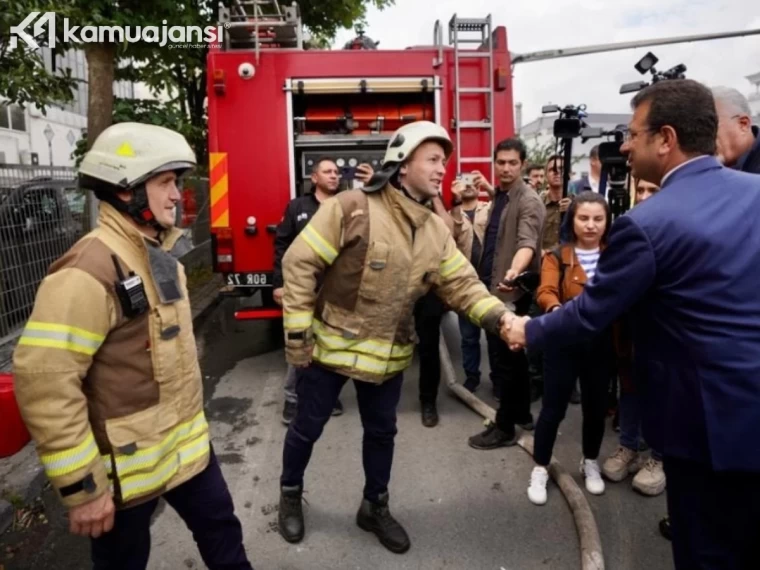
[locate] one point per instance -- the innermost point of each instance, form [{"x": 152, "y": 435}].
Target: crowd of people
[{"x": 657, "y": 313}]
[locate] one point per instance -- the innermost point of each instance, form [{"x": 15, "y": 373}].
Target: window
[
  {"x": 12, "y": 117},
  {"x": 18, "y": 118}
]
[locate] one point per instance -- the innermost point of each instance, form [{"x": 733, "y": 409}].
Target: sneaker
[
  {"x": 539, "y": 477},
  {"x": 289, "y": 412},
  {"x": 492, "y": 438},
  {"x": 620, "y": 464},
  {"x": 338, "y": 409},
  {"x": 429, "y": 414},
  {"x": 594, "y": 481},
  {"x": 650, "y": 480},
  {"x": 377, "y": 518}
]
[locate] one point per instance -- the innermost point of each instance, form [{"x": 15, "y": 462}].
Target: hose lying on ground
[{"x": 588, "y": 533}]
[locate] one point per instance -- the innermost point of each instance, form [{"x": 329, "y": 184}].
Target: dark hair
[
  {"x": 555, "y": 158},
  {"x": 685, "y": 105},
  {"x": 594, "y": 152},
  {"x": 319, "y": 162},
  {"x": 533, "y": 166},
  {"x": 567, "y": 232},
  {"x": 512, "y": 144}
]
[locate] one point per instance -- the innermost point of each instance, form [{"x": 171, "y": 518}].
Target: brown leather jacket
[{"x": 551, "y": 292}]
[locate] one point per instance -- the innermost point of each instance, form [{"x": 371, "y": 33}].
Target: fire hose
[{"x": 588, "y": 533}]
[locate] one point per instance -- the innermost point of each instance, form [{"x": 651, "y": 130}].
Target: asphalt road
[{"x": 462, "y": 508}]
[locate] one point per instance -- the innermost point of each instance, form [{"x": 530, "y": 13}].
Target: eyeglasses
[{"x": 631, "y": 134}]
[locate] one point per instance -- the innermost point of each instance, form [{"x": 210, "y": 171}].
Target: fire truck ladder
[
  {"x": 472, "y": 31},
  {"x": 253, "y": 24}
]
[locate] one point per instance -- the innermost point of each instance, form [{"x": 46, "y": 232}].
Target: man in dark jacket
[
  {"x": 738, "y": 140},
  {"x": 683, "y": 264},
  {"x": 325, "y": 180}
]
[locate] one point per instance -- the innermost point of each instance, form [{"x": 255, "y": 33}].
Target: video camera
[
  {"x": 614, "y": 182},
  {"x": 569, "y": 126},
  {"x": 647, "y": 63}
]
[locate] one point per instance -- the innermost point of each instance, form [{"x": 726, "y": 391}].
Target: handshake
[{"x": 512, "y": 331}]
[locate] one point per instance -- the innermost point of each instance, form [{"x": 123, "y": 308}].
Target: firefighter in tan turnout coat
[
  {"x": 107, "y": 374},
  {"x": 377, "y": 250}
]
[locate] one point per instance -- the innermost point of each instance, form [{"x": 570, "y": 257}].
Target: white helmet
[
  {"x": 128, "y": 154},
  {"x": 403, "y": 144},
  {"x": 125, "y": 156}
]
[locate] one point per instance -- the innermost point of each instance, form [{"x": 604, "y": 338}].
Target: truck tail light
[
  {"x": 219, "y": 81},
  {"x": 223, "y": 251}
]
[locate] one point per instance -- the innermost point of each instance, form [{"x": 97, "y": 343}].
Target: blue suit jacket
[{"x": 686, "y": 263}]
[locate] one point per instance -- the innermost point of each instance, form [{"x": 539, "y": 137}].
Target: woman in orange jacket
[{"x": 564, "y": 274}]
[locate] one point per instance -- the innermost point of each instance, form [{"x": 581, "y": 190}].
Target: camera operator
[
  {"x": 681, "y": 259},
  {"x": 555, "y": 204},
  {"x": 590, "y": 182},
  {"x": 738, "y": 139}
]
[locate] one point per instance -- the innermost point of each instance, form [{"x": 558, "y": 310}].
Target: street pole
[
  {"x": 603, "y": 48},
  {"x": 50, "y": 152}
]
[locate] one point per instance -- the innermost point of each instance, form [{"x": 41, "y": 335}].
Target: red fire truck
[{"x": 275, "y": 107}]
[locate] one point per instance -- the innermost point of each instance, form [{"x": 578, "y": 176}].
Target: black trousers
[
  {"x": 509, "y": 373},
  {"x": 203, "y": 502},
  {"x": 318, "y": 390},
  {"x": 562, "y": 366},
  {"x": 428, "y": 313},
  {"x": 715, "y": 517}
]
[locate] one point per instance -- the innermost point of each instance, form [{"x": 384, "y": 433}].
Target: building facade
[{"x": 22, "y": 130}]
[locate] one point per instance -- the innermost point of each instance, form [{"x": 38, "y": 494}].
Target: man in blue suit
[{"x": 686, "y": 264}]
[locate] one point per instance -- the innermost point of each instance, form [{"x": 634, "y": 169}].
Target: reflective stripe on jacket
[
  {"x": 378, "y": 254},
  {"x": 112, "y": 402}
]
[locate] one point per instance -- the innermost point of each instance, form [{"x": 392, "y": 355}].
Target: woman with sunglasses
[{"x": 564, "y": 273}]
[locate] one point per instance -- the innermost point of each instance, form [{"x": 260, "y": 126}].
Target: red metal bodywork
[{"x": 248, "y": 120}]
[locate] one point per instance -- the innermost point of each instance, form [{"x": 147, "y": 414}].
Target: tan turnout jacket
[
  {"x": 111, "y": 402},
  {"x": 378, "y": 253}
]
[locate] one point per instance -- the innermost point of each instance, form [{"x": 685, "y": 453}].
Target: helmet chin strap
[{"x": 138, "y": 208}]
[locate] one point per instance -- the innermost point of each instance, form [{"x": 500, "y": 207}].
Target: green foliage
[
  {"x": 23, "y": 77},
  {"x": 324, "y": 18},
  {"x": 152, "y": 112},
  {"x": 539, "y": 153}
]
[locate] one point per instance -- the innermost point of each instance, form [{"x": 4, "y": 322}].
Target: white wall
[
  {"x": 62, "y": 123},
  {"x": 12, "y": 143}
]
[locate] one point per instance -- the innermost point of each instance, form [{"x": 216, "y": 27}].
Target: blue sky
[{"x": 593, "y": 79}]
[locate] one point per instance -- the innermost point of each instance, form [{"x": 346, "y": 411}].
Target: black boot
[
  {"x": 376, "y": 517},
  {"x": 429, "y": 414},
  {"x": 492, "y": 438},
  {"x": 290, "y": 517},
  {"x": 665, "y": 528},
  {"x": 472, "y": 383}
]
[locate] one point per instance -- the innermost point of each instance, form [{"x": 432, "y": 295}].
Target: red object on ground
[{"x": 13, "y": 433}]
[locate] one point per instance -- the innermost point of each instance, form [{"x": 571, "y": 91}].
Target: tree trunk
[{"x": 101, "y": 62}]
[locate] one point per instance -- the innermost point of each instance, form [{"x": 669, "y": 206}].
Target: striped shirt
[{"x": 588, "y": 259}]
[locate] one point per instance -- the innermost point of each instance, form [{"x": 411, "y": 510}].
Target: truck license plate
[{"x": 249, "y": 279}]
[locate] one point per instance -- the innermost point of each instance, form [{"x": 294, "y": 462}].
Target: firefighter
[
  {"x": 107, "y": 374},
  {"x": 377, "y": 251}
]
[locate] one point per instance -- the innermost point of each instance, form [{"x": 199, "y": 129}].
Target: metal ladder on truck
[
  {"x": 257, "y": 24},
  {"x": 473, "y": 31}
]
